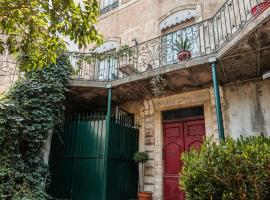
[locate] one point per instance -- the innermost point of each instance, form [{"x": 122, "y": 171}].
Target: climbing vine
[
  {"x": 32, "y": 109},
  {"x": 124, "y": 53},
  {"x": 158, "y": 85}
]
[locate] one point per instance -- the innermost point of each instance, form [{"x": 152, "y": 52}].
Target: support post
[
  {"x": 106, "y": 148},
  {"x": 213, "y": 62}
]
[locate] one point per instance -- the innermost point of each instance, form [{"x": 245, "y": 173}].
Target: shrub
[
  {"x": 141, "y": 158},
  {"x": 32, "y": 109},
  {"x": 232, "y": 170}
]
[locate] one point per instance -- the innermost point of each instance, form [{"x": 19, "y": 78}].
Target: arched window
[
  {"x": 177, "y": 20},
  {"x": 177, "y": 27}
]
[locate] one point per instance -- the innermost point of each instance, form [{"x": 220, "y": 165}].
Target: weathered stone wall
[
  {"x": 245, "y": 111},
  {"x": 8, "y": 72},
  {"x": 140, "y": 18},
  {"x": 248, "y": 108}
]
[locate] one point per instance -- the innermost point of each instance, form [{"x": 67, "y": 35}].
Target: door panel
[
  {"x": 171, "y": 189},
  {"x": 178, "y": 138},
  {"x": 194, "y": 134},
  {"x": 173, "y": 148}
]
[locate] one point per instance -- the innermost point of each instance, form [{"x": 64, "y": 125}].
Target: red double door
[{"x": 178, "y": 138}]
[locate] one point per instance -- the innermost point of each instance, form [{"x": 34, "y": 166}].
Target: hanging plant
[{"x": 158, "y": 85}]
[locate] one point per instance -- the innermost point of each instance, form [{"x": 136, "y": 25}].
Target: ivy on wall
[{"x": 32, "y": 109}]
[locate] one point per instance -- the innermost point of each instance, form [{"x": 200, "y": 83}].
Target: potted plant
[
  {"x": 125, "y": 56},
  {"x": 141, "y": 158},
  {"x": 183, "y": 49},
  {"x": 260, "y": 7}
]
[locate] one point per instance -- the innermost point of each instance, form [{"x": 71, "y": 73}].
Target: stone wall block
[
  {"x": 149, "y": 187},
  {"x": 149, "y": 148},
  {"x": 149, "y": 141},
  {"x": 149, "y": 171},
  {"x": 149, "y": 133},
  {"x": 149, "y": 179}
]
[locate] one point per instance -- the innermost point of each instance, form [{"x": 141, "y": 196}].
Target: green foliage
[
  {"x": 232, "y": 170},
  {"x": 35, "y": 28},
  {"x": 32, "y": 109},
  {"x": 140, "y": 157},
  {"x": 182, "y": 45},
  {"x": 158, "y": 85}
]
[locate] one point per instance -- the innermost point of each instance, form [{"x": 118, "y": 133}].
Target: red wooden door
[{"x": 178, "y": 138}]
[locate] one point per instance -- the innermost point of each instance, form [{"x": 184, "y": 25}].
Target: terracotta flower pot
[
  {"x": 260, "y": 7},
  {"x": 144, "y": 195},
  {"x": 184, "y": 55}
]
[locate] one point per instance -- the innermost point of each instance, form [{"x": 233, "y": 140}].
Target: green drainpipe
[
  {"x": 213, "y": 62},
  {"x": 106, "y": 149}
]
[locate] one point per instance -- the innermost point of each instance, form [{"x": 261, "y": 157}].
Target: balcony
[
  {"x": 238, "y": 35},
  {"x": 207, "y": 38}
]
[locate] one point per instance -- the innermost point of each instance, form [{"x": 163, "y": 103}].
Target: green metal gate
[{"x": 77, "y": 159}]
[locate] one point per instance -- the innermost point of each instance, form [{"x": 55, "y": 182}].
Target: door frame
[{"x": 201, "y": 97}]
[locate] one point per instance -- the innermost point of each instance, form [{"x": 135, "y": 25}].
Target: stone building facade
[
  {"x": 140, "y": 19},
  {"x": 242, "y": 62},
  {"x": 245, "y": 112}
]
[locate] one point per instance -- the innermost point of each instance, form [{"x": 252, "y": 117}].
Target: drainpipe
[
  {"x": 106, "y": 148},
  {"x": 213, "y": 62}
]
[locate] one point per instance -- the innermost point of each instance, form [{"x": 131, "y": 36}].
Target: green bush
[
  {"x": 33, "y": 108},
  {"x": 140, "y": 157},
  {"x": 230, "y": 171}
]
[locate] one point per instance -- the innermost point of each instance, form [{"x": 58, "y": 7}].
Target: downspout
[
  {"x": 106, "y": 148},
  {"x": 213, "y": 62}
]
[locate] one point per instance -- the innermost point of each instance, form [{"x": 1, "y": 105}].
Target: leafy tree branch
[{"x": 35, "y": 29}]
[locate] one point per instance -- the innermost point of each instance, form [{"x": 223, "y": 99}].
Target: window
[
  {"x": 183, "y": 113},
  {"x": 107, "y": 5},
  {"x": 173, "y": 29},
  {"x": 107, "y": 69}
]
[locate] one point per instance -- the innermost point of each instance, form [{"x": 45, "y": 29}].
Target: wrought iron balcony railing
[{"x": 205, "y": 37}]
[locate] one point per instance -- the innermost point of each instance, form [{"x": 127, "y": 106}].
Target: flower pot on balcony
[
  {"x": 260, "y": 7},
  {"x": 184, "y": 55},
  {"x": 144, "y": 195}
]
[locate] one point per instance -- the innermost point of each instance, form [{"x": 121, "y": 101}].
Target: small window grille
[{"x": 183, "y": 113}]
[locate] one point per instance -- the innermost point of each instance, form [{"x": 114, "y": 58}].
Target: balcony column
[
  {"x": 106, "y": 148},
  {"x": 213, "y": 63}
]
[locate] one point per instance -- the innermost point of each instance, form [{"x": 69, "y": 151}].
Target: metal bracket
[
  {"x": 109, "y": 86},
  {"x": 213, "y": 59}
]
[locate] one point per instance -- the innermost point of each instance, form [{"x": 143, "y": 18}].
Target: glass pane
[
  {"x": 183, "y": 113},
  {"x": 107, "y": 69}
]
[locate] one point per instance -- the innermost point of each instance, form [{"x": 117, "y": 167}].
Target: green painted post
[
  {"x": 106, "y": 148},
  {"x": 213, "y": 62}
]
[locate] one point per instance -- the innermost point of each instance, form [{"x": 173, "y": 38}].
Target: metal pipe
[
  {"x": 106, "y": 148},
  {"x": 217, "y": 99}
]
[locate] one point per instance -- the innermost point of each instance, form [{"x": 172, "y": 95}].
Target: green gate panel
[
  {"x": 122, "y": 170},
  {"x": 77, "y": 164}
]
